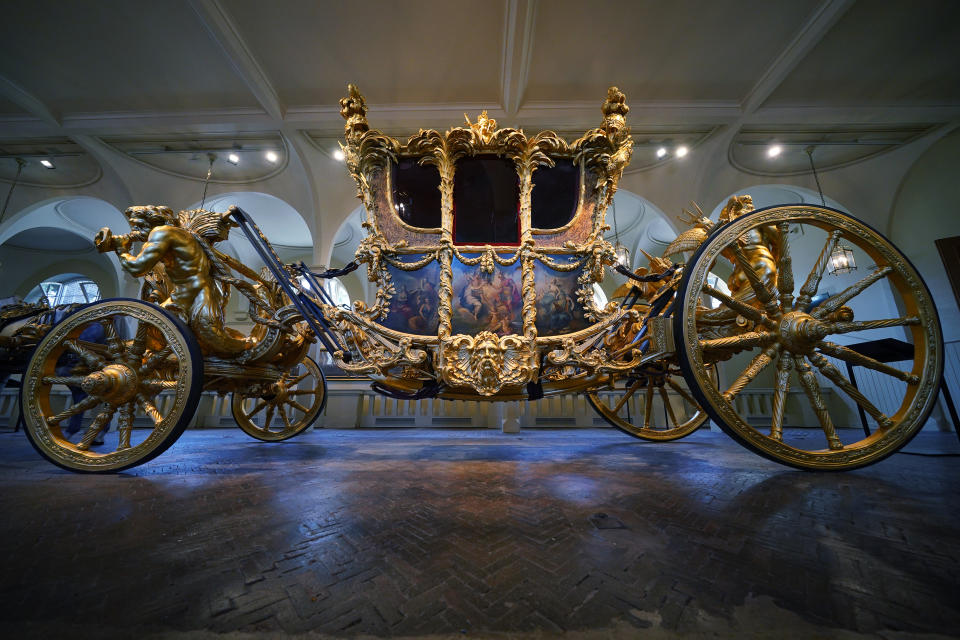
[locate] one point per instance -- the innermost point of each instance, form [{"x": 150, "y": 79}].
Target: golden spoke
[
  {"x": 784, "y": 365},
  {"x": 833, "y": 303},
  {"x": 90, "y": 358},
  {"x": 808, "y": 380},
  {"x": 151, "y": 410},
  {"x": 648, "y": 406},
  {"x": 866, "y": 325},
  {"x": 269, "y": 418},
  {"x": 301, "y": 392},
  {"x": 744, "y": 309},
  {"x": 758, "y": 364},
  {"x": 283, "y": 416},
  {"x": 666, "y": 402},
  {"x": 809, "y": 288},
  {"x": 627, "y": 394},
  {"x": 87, "y": 403},
  {"x": 683, "y": 392},
  {"x": 158, "y": 385},
  {"x": 833, "y": 374},
  {"x": 295, "y": 381},
  {"x": 72, "y": 381},
  {"x": 785, "y": 268},
  {"x": 257, "y": 408},
  {"x": 854, "y": 358},
  {"x": 125, "y": 426},
  {"x": 101, "y": 421},
  {"x": 110, "y": 331},
  {"x": 299, "y": 407},
  {"x": 155, "y": 360},
  {"x": 139, "y": 344},
  {"x": 741, "y": 342}
]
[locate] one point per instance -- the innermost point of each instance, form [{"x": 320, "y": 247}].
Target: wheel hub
[
  {"x": 800, "y": 332},
  {"x": 115, "y": 383}
]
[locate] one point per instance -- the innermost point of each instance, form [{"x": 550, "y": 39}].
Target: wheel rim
[
  {"x": 803, "y": 347},
  {"x": 657, "y": 406},
  {"x": 293, "y": 404},
  {"x": 121, "y": 361}
]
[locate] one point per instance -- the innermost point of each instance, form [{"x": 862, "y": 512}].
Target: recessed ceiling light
[
  {"x": 338, "y": 155},
  {"x": 774, "y": 151},
  {"x": 47, "y": 164},
  {"x": 662, "y": 151},
  {"x": 233, "y": 158},
  {"x": 271, "y": 156},
  {"x": 682, "y": 151}
]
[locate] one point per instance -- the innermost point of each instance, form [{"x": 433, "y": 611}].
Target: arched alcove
[
  {"x": 767, "y": 195},
  {"x": 55, "y": 237},
  {"x": 283, "y": 226},
  {"x": 924, "y": 211}
]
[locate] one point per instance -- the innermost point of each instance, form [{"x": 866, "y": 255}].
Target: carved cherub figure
[{"x": 190, "y": 266}]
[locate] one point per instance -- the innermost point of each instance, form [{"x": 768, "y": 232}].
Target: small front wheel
[
  {"x": 654, "y": 405},
  {"x": 292, "y": 404}
]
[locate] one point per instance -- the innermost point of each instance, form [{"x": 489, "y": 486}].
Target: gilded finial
[
  {"x": 614, "y": 111},
  {"x": 484, "y": 127},
  {"x": 353, "y": 108}
]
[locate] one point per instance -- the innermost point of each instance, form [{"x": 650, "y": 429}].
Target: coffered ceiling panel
[
  {"x": 66, "y": 162},
  {"x": 682, "y": 50},
  {"x": 236, "y": 158},
  {"x": 882, "y": 52},
  {"x": 416, "y": 51},
  {"x": 116, "y": 55}
]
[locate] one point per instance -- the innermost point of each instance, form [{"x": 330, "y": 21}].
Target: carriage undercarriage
[{"x": 504, "y": 316}]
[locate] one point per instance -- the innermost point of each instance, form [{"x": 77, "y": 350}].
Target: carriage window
[
  {"x": 554, "y": 198},
  {"x": 486, "y": 197},
  {"x": 416, "y": 193}
]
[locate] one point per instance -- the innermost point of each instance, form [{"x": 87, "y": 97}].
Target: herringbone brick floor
[{"x": 415, "y": 532}]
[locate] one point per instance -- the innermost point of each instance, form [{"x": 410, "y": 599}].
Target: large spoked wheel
[
  {"x": 118, "y": 358},
  {"x": 292, "y": 404},
  {"x": 791, "y": 345},
  {"x": 655, "y": 405}
]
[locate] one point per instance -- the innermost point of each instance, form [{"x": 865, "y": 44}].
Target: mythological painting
[
  {"x": 413, "y": 307},
  {"x": 557, "y": 308},
  {"x": 486, "y": 301}
]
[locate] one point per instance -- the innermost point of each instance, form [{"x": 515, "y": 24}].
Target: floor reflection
[{"x": 407, "y": 532}]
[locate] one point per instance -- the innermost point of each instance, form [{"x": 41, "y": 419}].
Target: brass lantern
[{"x": 841, "y": 261}]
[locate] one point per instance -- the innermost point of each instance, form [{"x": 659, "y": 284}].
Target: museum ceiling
[{"x": 167, "y": 83}]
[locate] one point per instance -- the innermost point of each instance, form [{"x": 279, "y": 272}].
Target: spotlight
[
  {"x": 774, "y": 151},
  {"x": 47, "y": 164},
  {"x": 233, "y": 158},
  {"x": 662, "y": 151},
  {"x": 682, "y": 151},
  {"x": 338, "y": 155},
  {"x": 271, "y": 157}
]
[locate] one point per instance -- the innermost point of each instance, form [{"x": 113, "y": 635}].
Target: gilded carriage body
[{"x": 484, "y": 245}]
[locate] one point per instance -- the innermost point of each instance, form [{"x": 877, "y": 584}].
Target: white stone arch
[
  {"x": 284, "y": 226},
  {"x": 70, "y": 223},
  {"x": 767, "y": 195},
  {"x": 341, "y": 252}
]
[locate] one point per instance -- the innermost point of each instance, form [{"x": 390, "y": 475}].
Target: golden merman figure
[{"x": 183, "y": 246}]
